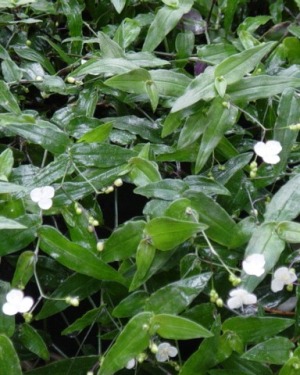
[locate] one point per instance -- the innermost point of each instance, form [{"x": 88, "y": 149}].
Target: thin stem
[{"x": 215, "y": 253}]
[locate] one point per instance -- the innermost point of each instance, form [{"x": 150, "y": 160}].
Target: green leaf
[
  {"x": 6, "y": 223},
  {"x": 6, "y": 163},
  {"x": 88, "y": 319},
  {"x": 123, "y": 242},
  {"x": 215, "y": 53},
  {"x": 288, "y": 113},
  {"x": 177, "y": 328},
  {"x": 167, "y": 189},
  {"x": 31, "y": 339},
  {"x": 165, "y": 20},
  {"x": 236, "y": 365},
  {"x": 7, "y": 99},
  {"x": 282, "y": 206},
  {"x": 7, "y": 323},
  {"x": 11, "y": 71},
  {"x": 19, "y": 239},
  {"x": 152, "y": 92},
  {"x": 100, "y": 155},
  {"x": 206, "y": 185},
  {"x": 97, "y": 66},
  {"x": 99, "y": 134},
  {"x": 143, "y": 172},
  {"x": 166, "y": 233},
  {"x": 43, "y": 133},
  {"x": 289, "y": 231},
  {"x": 254, "y": 329},
  {"x": 175, "y": 297},
  {"x": 201, "y": 88},
  {"x": 275, "y": 351},
  {"x": 72, "y": 10},
  {"x": 80, "y": 365},
  {"x": 219, "y": 120},
  {"x": 230, "y": 9},
  {"x": 74, "y": 256},
  {"x": 76, "y": 285},
  {"x": 133, "y": 82},
  {"x": 262, "y": 86},
  {"x": 180, "y": 209},
  {"x": 30, "y": 54},
  {"x": 127, "y": 32},
  {"x": 221, "y": 227},
  {"x": 264, "y": 241},
  {"x": 109, "y": 48},
  {"x": 169, "y": 83},
  {"x": 291, "y": 367},
  {"x": 9, "y": 361},
  {"x": 145, "y": 254},
  {"x": 24, "y": 269},
  {"x": 237, "y": 66},
  {"x": 131, "y": 305},
  {"x": 132, "y": 341}
]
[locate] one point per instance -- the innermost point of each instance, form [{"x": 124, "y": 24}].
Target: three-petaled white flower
[
  {"x": 16, "y": 303},
  {"x": 130, "y": 364},
  {"x": 164, "y": 351},
  {"x": 240, "y": 297},
  {"x": 268, "y": 151},
  {"x": 282, "y": 276},
  {"x": 254, "y": 264},
  {"x": 43, "y": 196}
]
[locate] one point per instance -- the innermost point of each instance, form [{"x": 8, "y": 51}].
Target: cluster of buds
[
  {"x": 253, "y": 169},
  {"x": 73, "y": 301},
  {"x": 92, "y": 224},
  {"x": 235, "y": 281},
  {"x": 109, "y": 189},
  {"x": 73, "y": 81},
  {"x": 214, "y": 298},
  {"x": 294, "y": 127}
]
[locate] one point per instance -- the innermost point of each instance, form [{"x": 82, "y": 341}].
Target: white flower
[
  {"x": 254, "y": 265},
  {"x": 164, "y": 351},
  {"x": 282, "y": 276},
  {"x": 130, "y": 364},
  {"x": 16, "y": 303},
  {"x": 240, "y": 297},
  {"x": 43, "y": 196},
  {"x": 268, "y": 151}
]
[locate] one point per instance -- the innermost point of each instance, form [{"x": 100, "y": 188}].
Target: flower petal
[
  {"x": 249, "y": 299},
  {"x": 45, "y": 203},
  {"x": 172, "y": 351},
  {"x": 130, "y": 364},
  {"x": 254, "y": 265},
  {"x": 36, "y": 194},
  {"x": 48, "y": 192},
  {"x": 9, "y": 309},
  {"x": 14, "y": 296},
  {"x": 276, "y": 285},
  {"x": 260, "y": 148},
  {"x": 274, "y": 146},
  {"x": 234, "y": 303},
  {"x": 26, "y": 304},
  {"x": 161, "y": 356},
  {"x": 271, "y": 159}
]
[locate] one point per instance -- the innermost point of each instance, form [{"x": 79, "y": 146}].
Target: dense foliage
[{"x": 149, "y": 187}]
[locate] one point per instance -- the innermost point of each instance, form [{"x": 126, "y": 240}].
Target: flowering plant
[{"x": 149, "y": 187}]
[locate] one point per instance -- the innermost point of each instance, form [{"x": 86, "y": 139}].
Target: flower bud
[
  {"x": 73, "y": 301},
  {"x": 39, "y": 78},
  {"x": 90, "y": 228},
  {"x": 100, "y": 245},
  {"x": 27, "y": 317},
  {"x": 141, "y": 357},
  {"x": 28, "y": 43},
  {"x": 219, "y": 302},
  {"x": 95, "y": 223},
  {"x": 290, "y": 287},
  {"x": 71, "y": 80},
  {"x": 252, "y": 174},
  {"x": 78, "y": 210},
  {"x": 109, "y": 189},
  {"x": 153, "y": 348},
  {"x": 118, "y": 182}
]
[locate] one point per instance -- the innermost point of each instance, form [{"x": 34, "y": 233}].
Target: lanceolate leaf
[
  {"x": 9, "y": 361},
  {"x": 282, "y": 206},
  {"x": 132, "y": 341},
  {"x": 237, "y": 66},
  {"x": 177, "y": 328},
  {"x": 75, "y": 257},
  {"x": 166, "y": 233},
  {"x": 165, "y": 20},
  {"x": 219, "y": 120}
]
